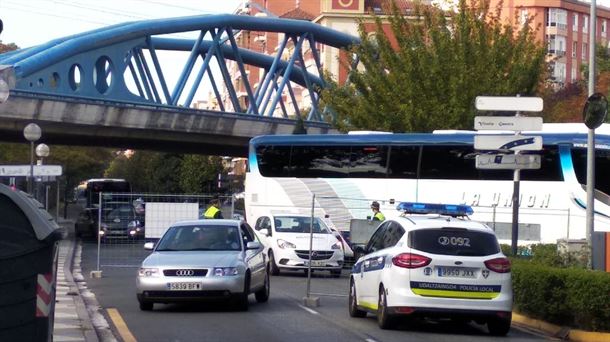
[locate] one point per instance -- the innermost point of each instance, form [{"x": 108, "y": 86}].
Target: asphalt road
[{"x": 283, "y": 318}]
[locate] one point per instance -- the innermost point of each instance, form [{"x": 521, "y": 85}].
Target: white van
[{"x": 286, "y": 238}]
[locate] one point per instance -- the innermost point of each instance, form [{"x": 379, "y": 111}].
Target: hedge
[{"x": 573, "y": 297}]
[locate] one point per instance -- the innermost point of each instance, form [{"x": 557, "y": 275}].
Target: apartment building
[
  {"x": 339, "y": 15},
  {"x": 564, "y": 27}
]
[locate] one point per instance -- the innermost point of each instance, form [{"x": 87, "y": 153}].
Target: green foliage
[
  {"x": 148, "y": 171},
  {"x": 430, "y": 75},
  {"x": 198, "y": 174},
  {"x": 565, "y": 296},
  {"x": 77, "y": 163},
  {"x": 549, "y": 255}
]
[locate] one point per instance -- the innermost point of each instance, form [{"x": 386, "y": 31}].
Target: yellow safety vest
[
  {"x": 211, "y": 212},
  {"x": 379, "y": 216}
]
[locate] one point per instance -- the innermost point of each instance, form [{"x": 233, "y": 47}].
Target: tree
[
  {"x": 567, "y": 104},
  {"x": 198, "y": 174},
  {"x": 426, "y": 75},
  {"x": 147, "y": 171}
]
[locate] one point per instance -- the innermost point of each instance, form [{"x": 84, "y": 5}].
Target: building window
[
  {"x": 556, "y": 45},
  {"x": 574, "y": 74},
  {"x": 604, "y": 27},
  {"x": 575, "y": 22},
  {"x": 557, "y": 17},
  {"x": 585, "y": 24},
  {"x": 584, "y": 50},
  {"x": 574, "y": 47},
  {"x": 523, "y": 17}
]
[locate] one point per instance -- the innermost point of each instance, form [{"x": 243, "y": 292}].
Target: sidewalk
[{"x": 73, "y": 317}]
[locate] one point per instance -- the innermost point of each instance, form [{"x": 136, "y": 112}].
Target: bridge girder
[{"x": 121, "y": 63}]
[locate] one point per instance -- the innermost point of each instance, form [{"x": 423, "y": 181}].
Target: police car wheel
[
  {"x": 384, "y": 319},
  {"x": 498, "y": 326},
  {"x": 353, "y": 305}
]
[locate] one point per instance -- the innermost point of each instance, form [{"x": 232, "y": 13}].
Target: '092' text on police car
[{"x": 433, "y": 262}]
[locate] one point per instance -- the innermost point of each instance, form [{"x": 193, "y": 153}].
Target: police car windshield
[
  {"x": 299, "y": 224},
  {"x": 453, "y": 241}
]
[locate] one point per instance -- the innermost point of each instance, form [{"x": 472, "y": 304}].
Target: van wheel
[
  {"x": 353, "y": 302},
  {"x": 384, "y": 319},
  {"x": 274, "y": 269}
]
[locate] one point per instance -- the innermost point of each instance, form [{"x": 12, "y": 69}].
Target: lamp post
[
  {"x": 42, "y": 151},
  {"x": 32, "y": 133}
]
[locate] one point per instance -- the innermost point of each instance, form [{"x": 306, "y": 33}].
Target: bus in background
[
  {"x": 96, "y": 186},
  {"x": 347, "y": 172}
]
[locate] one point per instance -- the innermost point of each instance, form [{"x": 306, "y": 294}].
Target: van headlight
[
  {"x": 148, "y": 272},
  {"x": 285, "y": 244},
  {"x": 336, "y": 245}
]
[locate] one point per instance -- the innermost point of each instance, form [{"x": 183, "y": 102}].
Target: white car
[
  {"x": 433, "y": 262},
  {"x": 286, "y": 238}
]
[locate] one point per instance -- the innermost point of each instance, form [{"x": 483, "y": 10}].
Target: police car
[{"x": 434, "y": 262}]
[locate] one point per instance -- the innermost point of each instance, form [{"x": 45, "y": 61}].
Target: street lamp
[
  {"x": 42, "y": 151},
  {"x": 32, "y": 133}
]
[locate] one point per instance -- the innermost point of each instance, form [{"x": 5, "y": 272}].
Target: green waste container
[{"x": 28, "y": 266}]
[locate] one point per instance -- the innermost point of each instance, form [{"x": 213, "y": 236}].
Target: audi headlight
[
  {"x": 285, "y": 244},
  {"x": 148, "y": 272},
  {"x": 225, "y": 271},
  {"x": 336, "y": 245}
]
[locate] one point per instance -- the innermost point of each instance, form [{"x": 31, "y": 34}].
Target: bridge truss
[{"x": 144, "y": 62}]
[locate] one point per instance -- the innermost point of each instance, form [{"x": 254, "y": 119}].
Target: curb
[
  {"x": 561, "y": 332},
  {"x": 81, "y": 310}
]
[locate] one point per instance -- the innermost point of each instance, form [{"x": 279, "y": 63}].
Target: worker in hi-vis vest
[
  {"x": 213, "y": 211},
  {"x": 377, "y": 215}
]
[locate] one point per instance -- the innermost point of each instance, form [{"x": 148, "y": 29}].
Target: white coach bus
[{"x": 348, "y": 171}]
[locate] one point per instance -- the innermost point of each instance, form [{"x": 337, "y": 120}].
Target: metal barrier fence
[{"x": 126, "y": 220}]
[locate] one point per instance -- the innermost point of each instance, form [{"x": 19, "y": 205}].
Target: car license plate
[
  {"x": 456, "y": 272},
  {"x": 315, "y": 263},
  {"x": 184, "y": 286}
]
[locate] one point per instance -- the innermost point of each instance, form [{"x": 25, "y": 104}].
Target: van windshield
[{"x": 299, "y": 224}]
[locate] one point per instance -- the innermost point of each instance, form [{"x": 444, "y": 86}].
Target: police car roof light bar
[{"x": 453, "y": 210}]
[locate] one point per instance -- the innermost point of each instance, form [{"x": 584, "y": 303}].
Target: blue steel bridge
[{"x": 109, "y": 87}]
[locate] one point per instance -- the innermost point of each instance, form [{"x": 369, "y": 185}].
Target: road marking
[
  {"x": 120, "y": 325},
  {"x": 313, "y": 312},
  {"x": 370, "y": 340}
]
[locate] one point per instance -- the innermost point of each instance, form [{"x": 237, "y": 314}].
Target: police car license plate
[
  {"x": 184, "y": 286},
  {"x": 456, "y": 272}
]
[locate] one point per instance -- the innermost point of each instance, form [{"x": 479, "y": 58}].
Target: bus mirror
[{"x": 594, "y": 113}]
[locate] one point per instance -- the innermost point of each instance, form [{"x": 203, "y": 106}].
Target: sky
[{"x": 32, "y": 22}]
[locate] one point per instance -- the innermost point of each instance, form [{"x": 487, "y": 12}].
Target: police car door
[{"x": 371, "y": 266}]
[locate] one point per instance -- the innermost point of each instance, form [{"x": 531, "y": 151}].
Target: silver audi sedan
[{"x": 204, "y": 260}]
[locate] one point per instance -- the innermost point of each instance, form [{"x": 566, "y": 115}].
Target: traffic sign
[
  {"x": 24, "y": 170},
  {"x": 508, "y": 161},
  {"x": 509, "y": 103},
  {"x": 508, "y": 123},
  {"x": 508, "y": 142}
]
